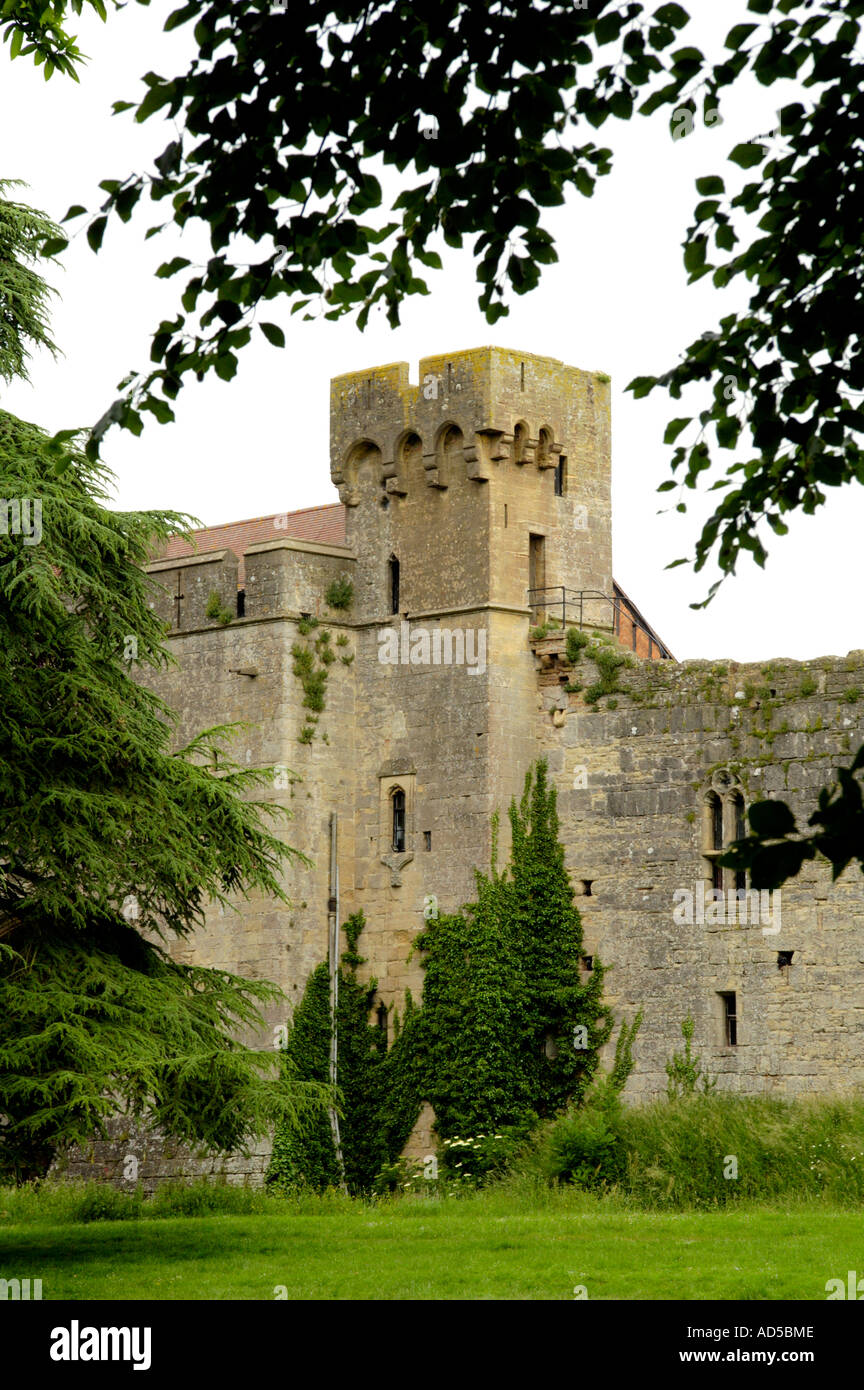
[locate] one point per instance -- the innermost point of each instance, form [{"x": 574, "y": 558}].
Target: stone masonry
[{"x": 490, "y": 478}]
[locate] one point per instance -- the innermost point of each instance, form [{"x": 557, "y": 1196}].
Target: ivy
[{"x": 508, "y": 1031}]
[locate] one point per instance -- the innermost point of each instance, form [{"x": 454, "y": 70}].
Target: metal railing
[{"x": 592, "y": 608}]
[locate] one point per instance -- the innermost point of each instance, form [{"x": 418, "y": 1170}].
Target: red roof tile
[{"x": 326, "y": 524}]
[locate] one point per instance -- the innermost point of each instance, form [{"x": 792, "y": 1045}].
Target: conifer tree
[
  {"x": 111, "y": 845},
  {"x": 308, "y": 1158}
]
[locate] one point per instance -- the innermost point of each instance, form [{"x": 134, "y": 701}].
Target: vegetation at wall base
[
  {"x": 675, "y": 1154},
  {"x": 507, "y": 1033}
]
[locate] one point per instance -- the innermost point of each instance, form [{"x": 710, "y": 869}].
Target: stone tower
[{"x": 489, "y": 477}]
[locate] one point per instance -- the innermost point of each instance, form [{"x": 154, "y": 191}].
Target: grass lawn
[{"x": 476, "y": 1248}]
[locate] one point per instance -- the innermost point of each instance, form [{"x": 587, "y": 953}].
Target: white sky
[{"x": 617, "y": 302}]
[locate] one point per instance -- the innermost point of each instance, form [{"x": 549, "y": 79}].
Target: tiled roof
[{"x": 326, "y": 524}]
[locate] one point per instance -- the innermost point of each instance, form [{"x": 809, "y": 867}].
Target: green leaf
[
  {"x": 738, "y": 34},
  {"x": 674, "y": 428},
  {"x": 171, "y": 267},
  {"x": 747, "y": 156},
  {"x": 273, "y": 333},
  {"x": 95, "y": 233}
]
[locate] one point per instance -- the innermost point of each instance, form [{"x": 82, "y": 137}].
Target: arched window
[
  {"x": 394, "y": 584},
  {"x": 723, "y": 821},
  {"x": 397, "y": 799},
  {"x": 713, "y": 837},
  {"x": 520, "y": 442},
  {"x": 544, "y": 449}
]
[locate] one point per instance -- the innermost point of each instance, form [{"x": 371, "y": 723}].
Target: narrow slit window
[
  {"x": 394, "y": 584},
  {"x": 398, "y": 800},
  {"x": 427, "y": 839},
  {"x": 560, "y": 476},
  {"x": 241, "y": 603},
  {"x": 730, "y": 1019}
]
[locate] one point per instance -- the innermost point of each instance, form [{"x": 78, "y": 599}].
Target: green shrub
[
  {"x": 584, "y": 1148},
  {"x": 306, "y": 625},
  {"x": 96, "y": 1201},
  {"x": 340, "y": 593},
  {"x": 477, "y": 1160},
  {"x": 205, "y": 1198},
  {"x": 576, "y": 642},
  {"x": 683, "y": 1069},
  {"x": 215, "y": 611},
  {"x": 678, "y": 1153}
]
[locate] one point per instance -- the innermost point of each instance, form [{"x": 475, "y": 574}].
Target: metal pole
[{"x": 333, "y": 922}]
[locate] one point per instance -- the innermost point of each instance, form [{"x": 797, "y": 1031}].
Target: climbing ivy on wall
[
  {"x": 509, "y": 1026},
  {"x": 508, "y": 1030}
]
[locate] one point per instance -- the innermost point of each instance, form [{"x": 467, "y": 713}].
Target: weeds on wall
[
  {"x": 311, "y": 661},
  {"x": 216, "y": 612},
  {"x": 340, "y": 594}
]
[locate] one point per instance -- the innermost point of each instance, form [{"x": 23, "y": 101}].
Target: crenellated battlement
[{"x": 468, "y": 413}]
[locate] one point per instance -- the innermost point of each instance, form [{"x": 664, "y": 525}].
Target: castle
[{"x": 475, "y": 509}]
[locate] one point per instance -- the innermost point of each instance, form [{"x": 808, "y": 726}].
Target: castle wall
[
  {"x": 634, "y": 828},
  {"x": 489, "y": 476}
]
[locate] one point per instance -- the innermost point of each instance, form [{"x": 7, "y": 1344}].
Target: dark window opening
[
  {"x": 394, "y": 584},
  {"x": 589, "y": 962},
  {"x": 381, "y": 1017},
  {"x": 716, "y": 876},
  {"x": 241, "y": 603},
  {"x": 560, "y": 475},
  {"x": 730, "y": 1020},
  {"x": 505, "y": 515},
  {"x": 586, "y": 888},
  {"x": 398, "y": 821},
  {"x": 784, "y": 958},
  {"x": 716, "y": 823},
  {"x": 740, "y": 833},
  {"x": 537, "y": 575},
  {"x": 427, "y": 839}
]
